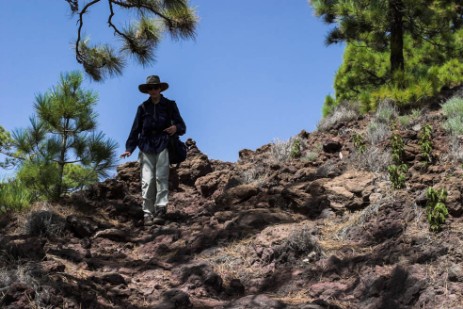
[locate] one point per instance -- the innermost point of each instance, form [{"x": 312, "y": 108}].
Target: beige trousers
[{"x": 154, "y": 180}]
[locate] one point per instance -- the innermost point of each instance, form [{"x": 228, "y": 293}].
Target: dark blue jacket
[{"x": 149, "y": 123}]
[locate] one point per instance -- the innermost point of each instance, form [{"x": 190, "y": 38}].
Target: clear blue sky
[{"x": 257, "y": 71}]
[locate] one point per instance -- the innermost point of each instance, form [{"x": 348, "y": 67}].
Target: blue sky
[{"x": 257, "y": 71}]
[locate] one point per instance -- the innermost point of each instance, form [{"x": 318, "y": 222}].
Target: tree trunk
[
  {"x": 62, "y": 159},
  {"x": 397, "y": 36}
]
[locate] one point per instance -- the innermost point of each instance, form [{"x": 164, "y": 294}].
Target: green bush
[
  {"x": 398, "y": 175},
  {"x": 365, "y": 75},
  {"x": 296, "y": 149},
  {"x": 453, "y": 110},
  {"x": 398, "y": 170},
  {"x": 425, "y": 142},
  {"x": 328, "y": 106},
  {"x": 408, "y": 120},
  {"x": 398, "y": 146},
  {"x": 14, "y": 196},
  {"x": 40, "y": 178},
  {"x": 359, "y": 142},
  {"x": 436, "y": 211},
  {"x": 453, "y": 106}
]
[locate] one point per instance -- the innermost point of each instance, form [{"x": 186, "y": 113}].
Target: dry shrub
[
  {"x": 342, "y": 113},
  {"x": 304, "y": 241},
  {"x": 254, "y": 175},
  {"x": 373, "y": 159},
  {"x": 30, "y": 275},
  {"x": 377, "y": 132},
  {"x": 282, "y": 151},
  {"x": 387, "y": 112},
  {"x": 455, "y": 150},
  {"x": 232, "y": 261},
  {"x": 45, "y": 223}
]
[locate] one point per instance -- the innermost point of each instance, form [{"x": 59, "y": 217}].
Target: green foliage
[
  {"x": 436, "y": 211},
  {"x": 454, "y": 106},
  {"x": 139, "y": 39},
  {"x": 359, "y": 142},
  {"x": 365, "y": 76},
  {"x": 77, "y": 176},
  {"x": 398, "y": 170},
  {"x": 398, "y": 175},
  {"x": 41, "y": 178},
  {"x": 5, "y": 140},
  {"x": 421, "y": 78},
  {"x": 61, "y": 151},
  {"x": 397, "y": 146},
  {"x": 14, "y": 195},
  {"x": 328, "y": 106},
  {"x": 296, "y": 149},
  {"x": 405, "y": 121},
  {"x": 6, "y": 143},
  {"x": 453, "y": 110},
  {"x": 383, "y": 25},
  {"x": 425, "y": 142},
  {"x": 450, "y": 73}
]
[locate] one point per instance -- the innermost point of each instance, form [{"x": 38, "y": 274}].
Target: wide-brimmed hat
[{"x": 152, "y": 80}]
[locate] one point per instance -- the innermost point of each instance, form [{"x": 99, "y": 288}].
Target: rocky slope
[{"x": 325, "y": 230}]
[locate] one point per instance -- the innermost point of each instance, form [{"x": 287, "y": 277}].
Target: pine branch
[
  {"x": 79, "y": 56},
  {"x": 99, "y": 61},
  {"x": 74, "y": 5}
]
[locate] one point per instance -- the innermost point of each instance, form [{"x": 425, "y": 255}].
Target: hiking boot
[
  {"x": 148, "y": 219},
  {"x": 160, "y": 212}
]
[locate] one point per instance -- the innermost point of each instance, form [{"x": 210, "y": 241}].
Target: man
[{"x": 157, "y": 118}]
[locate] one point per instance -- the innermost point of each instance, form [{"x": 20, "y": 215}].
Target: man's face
[{"x": 154, "y": 92}]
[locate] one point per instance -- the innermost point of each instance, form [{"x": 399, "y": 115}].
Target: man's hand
[
  {"x": 126, "y": 154},
  {"x": 171, "y": 130}
]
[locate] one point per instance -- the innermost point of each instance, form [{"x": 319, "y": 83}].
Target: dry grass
[
  {"x": 45, "y": 223},
  {"x": 254, "y": 175},
  {"x": 301, "y": 240},
  {"x": 280, "y": 151},
  {"x": 295, "y": 298},
  {"x": 341, "y": 114},
  {"x": 373, "y": 159},
  {"x": 28, "y": 275},
  {"x": 335, "y": 234},
  {"x": 377, "y": 132},
  {"x": 232, "y": 261},
  {"x": 455, "y": 153},
  {"x": 300, "y": 297}
]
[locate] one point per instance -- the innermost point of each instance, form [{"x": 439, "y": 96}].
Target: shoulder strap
[{"x": 170, "y": 110}]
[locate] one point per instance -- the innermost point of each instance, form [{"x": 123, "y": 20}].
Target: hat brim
[{"x": 144, "y": 87}]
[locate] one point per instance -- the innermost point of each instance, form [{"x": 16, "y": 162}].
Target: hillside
[{"x": 321, "y": 228}]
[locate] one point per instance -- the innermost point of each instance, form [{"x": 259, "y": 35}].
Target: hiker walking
[{"x": 157, "y": 118}]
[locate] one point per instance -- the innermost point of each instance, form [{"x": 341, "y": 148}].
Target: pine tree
[
  {"x": 62, "y": 138},
  {"x": 383, "y": 24},
  {"x": 364, "y": 74},
  {"x": 5, "y": 140},
  {"x": 140, "y": 39}
]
